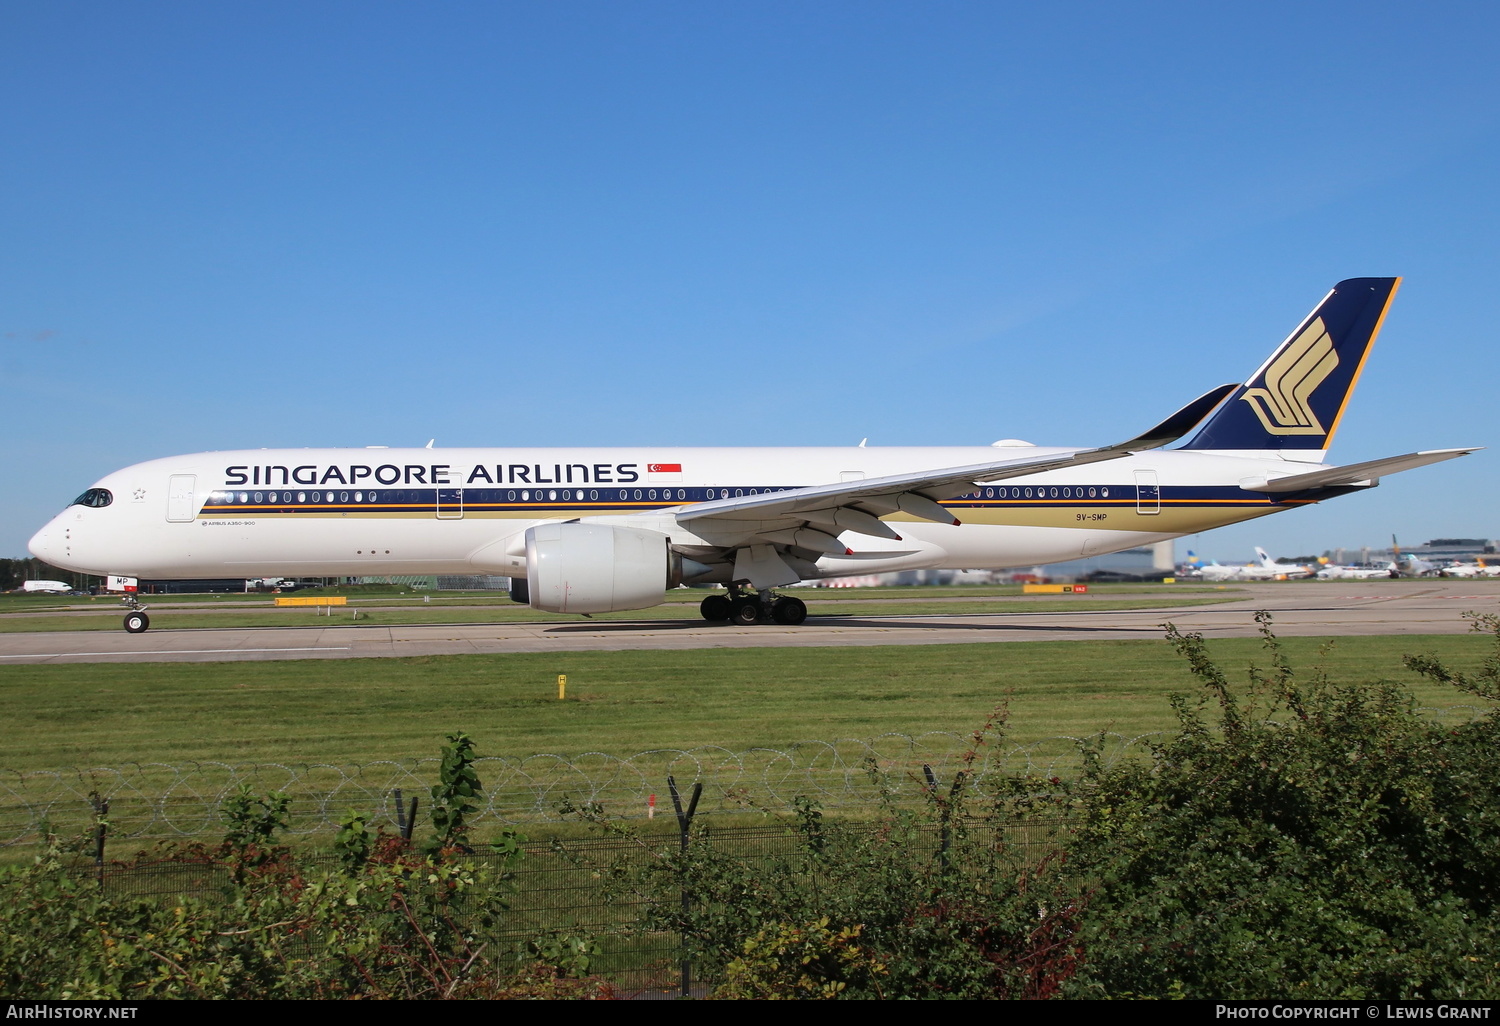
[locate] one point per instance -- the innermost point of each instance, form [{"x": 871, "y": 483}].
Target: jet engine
[{"x": 594, "y": 568}]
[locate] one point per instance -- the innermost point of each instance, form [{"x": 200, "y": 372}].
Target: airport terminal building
[{"x": 1438, "y": 550}]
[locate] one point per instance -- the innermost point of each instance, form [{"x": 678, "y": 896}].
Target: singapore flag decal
[{"x": 664, "y": 468}]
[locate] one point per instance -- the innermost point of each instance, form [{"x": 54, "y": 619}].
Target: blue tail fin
[{"x": 1296, "y": 399}]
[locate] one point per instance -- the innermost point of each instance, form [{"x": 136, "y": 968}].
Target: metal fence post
[
  {"x": 406, "y": 819},
  {"x": 684, "y": 824},
  {"x": 101, "y": 811},
  {"x": 944, "y": 834}
]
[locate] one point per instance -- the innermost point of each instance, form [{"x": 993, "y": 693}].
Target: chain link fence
[{"x": 158, "y": 801}]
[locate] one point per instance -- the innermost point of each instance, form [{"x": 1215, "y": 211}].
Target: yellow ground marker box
[
  {"x": 1054, "y": 589},
  {"x": 312, "y": 600}
]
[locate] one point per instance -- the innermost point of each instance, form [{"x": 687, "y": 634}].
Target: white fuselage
[
  {"x": 1471, "y": 570},
  {"x": 1252, "y": 572},
  {"x": 337, "y": 512},
  {"x": 1354, "y": 573},
  {"x": 45, "y": 587}
]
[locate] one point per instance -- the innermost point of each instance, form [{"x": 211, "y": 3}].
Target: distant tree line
[{"x": 15, "y": 572}]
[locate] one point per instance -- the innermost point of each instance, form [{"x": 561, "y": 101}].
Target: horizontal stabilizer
[{"x": 1355, "y": 474}]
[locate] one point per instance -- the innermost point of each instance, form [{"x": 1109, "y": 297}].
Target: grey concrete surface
[{"x": 1348, "y": 609}]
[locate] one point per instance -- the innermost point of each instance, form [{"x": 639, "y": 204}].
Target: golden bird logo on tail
[{"x": 1282, "y": 405}]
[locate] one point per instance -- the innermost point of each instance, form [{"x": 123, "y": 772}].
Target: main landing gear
[
  {"x": 136, "y": 621},
  {"x": 745, "y": 608}
]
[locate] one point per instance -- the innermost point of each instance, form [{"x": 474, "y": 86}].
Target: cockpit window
[{"x": 95, "y": 497}]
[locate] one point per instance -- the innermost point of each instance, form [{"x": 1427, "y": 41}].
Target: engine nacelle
[{"x": 594, "y": 568}]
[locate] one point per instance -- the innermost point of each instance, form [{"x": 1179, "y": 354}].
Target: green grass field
[{"x": 622, "y": 703}]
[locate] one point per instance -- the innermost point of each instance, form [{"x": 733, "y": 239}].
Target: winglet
[{"x": 1179, "y": 423}]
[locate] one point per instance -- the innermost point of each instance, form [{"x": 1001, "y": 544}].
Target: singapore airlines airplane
[{"x": 594, "y": 530}]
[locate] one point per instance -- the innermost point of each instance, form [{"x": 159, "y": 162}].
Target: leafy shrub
[
  {"x": 922, "y": 903},
  {"x": 252, "y": 819},
  {"x": 400, "y": 928},
  {"x": 354, "y": 843},
  {"x": 1296, "y": 839},
  {"x": 381, "y": 921},
  {"x": 811, "y": 961},
  {"x": 455, "y": 794}
]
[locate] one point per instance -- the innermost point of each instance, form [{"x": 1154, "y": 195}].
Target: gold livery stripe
[{"x": 1369, "y": 347}]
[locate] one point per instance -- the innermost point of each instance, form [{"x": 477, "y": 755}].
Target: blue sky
[{"x": 227, "y": 226}]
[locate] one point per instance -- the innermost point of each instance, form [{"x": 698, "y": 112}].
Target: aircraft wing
[
  {"x": 1355, "y": 474},
  {"x": 857, "y": 505}
]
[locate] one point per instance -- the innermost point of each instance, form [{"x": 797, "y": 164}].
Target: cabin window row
[
  {"x": 1052, "y": 492},
  {"x": 489, "y": 495},
  {"x": 475, "y": 496}
]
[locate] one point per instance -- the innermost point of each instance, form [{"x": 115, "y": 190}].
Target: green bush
[
  {"x": 808, "y": 962},
  {"x": 918, "y": 904},
  {"x": 402, "y": 926},
  {"x": 1296, "y": 839},
  {"x": 379, "y": 921},
  {"x": 455, "y": 794}
]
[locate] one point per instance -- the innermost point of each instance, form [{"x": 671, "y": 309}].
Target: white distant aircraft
[
  {"x": 1216, "y": 571},
  {"x": 594, "y": 530},
  {"x": 1478, "y": 568},
  {"x": 1263, "y": 569},
  {"x": 1334, "y": 572},
  {"x": 46, "y": 587},
  {"x": 1410, "y": 566},
  {"x": 1281, "y": 571}
]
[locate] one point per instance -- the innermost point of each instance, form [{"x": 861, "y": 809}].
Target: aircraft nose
[{"x": 46, "y": 544}]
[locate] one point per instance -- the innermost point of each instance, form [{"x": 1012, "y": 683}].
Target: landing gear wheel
[
  {"x": 746, "y": 611},
  {"x": 789, "y": 611},
  {"x": 136, "y": 623},
  {"x": 716, "y": 607}
]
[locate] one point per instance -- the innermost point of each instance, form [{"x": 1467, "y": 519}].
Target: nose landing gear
[
  {"x": 746, "y": 608},
  {"x": 136, "y": 621}
]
